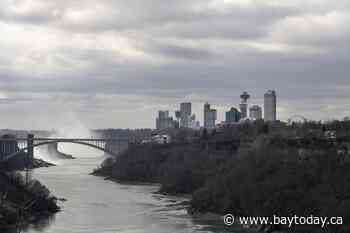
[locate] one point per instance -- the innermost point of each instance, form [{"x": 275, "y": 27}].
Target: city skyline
[
  {"x": 101, "y": 64},
  {"x": 184, "y": 118},
  {"x": 174, "y": 116}
]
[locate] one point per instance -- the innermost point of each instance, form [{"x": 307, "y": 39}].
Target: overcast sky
[{"x": 114, "y": 63}]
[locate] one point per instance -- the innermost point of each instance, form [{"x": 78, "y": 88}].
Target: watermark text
[{"x": 289, "y": 221}]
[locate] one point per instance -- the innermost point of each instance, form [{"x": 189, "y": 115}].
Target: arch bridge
[{"x": 16, "y": 146}]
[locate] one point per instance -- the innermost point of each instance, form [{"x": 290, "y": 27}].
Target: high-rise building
[
  {"x": 270, "y": 105},
  {"x": 164, "y": 121},
  {"x": 185, "y": 115},
  {"x": 178, "y": 118},
  {"x": 206, "y": 111},
  {"x": 244, "y": 104},
  {"x": 210, "y": 116},
  {"x": 255, "y": 112},
  {"x": 178, "y": 115},
  {"x": 233, "y": 115},
  {"x": 186, "y": 108}
]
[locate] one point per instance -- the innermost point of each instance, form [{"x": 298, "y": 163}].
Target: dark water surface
[{"x": 95, "y": 205}]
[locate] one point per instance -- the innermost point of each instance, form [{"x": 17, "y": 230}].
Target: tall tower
[
  {"x": 210, "y": 116},
  {"x": 206, "y": 114},
  {"x": 270, "y": 100},
  {"x": 185, "y": 115},
  {"x": 244, "y": 104}
]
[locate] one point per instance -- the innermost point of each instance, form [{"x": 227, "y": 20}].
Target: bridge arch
[{"x": 60, "y": 141}]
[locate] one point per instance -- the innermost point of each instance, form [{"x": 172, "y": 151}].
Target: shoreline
[
  {"x": 23, "y": 204},
  {"x": 185, "y": 205},
  {"x": 123, "y": 182}
]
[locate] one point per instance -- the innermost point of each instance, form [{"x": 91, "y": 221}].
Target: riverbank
[
  {"x": 98, "y": 205},
  {"x": 178, "y": 168},
  {"x": 18, "y": 163},
  {"x": 263, "y": 177},
  {"x": 21, "y": 204}
]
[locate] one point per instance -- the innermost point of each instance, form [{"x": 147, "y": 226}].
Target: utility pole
[{"x": 30, "y": 156}]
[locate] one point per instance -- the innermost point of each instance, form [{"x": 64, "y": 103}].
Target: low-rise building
[{"x": 161, "y": 139}]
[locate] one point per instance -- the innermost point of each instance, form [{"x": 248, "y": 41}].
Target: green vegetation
[
  {"x": 269, "y": 179},
  {"x": 20, "y": 202},
  {"x": 172, "y": 165},
  {"x": 251, "y": 169}
]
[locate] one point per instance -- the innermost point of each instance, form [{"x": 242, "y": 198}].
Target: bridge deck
[
  {"x": 68, "y": 139},
  {"x": 20, "y": 145}
]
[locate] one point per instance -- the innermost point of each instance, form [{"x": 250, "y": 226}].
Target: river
[{"x": 95, "y": 205}]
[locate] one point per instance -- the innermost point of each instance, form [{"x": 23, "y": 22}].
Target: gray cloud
[
  {"x": 125, "y": 59},
  {"x": 13, "y": 100},
  {"x": 181, "y": 52}
]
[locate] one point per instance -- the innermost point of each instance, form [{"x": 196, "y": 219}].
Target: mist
[{"x": 69, "y": 125}]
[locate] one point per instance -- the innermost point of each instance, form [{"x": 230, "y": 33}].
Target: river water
[{"x": 95, "y": 205}]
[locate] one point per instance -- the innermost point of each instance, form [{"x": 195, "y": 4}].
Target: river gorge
[{"x": 94, "y": 204}]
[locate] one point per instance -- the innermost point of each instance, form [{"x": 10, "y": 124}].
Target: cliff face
[
  {"x": 19, "y": 163},
  {"x": 20, "y": 203},
  {"x": 116, "y": 146}
]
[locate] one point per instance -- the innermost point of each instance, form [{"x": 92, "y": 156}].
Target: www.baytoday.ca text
[{"x": 229, "y": 220}]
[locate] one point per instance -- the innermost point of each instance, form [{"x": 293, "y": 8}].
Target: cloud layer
[{"x": 114, "y": 63}]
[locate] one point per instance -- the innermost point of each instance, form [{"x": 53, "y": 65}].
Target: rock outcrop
[{"x": 21, "y": 203}]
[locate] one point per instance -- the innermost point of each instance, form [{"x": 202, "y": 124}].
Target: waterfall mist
[
  {"x": 42, "y": 153},
  {"x": 69, "y": 125}
]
